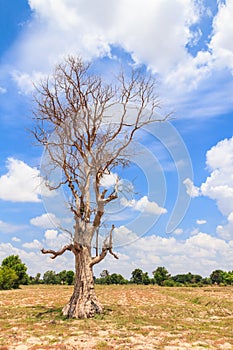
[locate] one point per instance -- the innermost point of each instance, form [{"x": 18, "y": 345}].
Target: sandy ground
[{"x": 136, "y": 317}]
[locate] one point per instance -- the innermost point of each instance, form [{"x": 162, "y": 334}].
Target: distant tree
[
  {"x": 111, "y": 279},
  {"x": 187, "y": 278},
  {"x": 65, "y": 277},
  {"x": 14, "y": 262},
  {"x": 36, "y": 279},
  {"x": 140, "y": 277},
  {"x": 50, "y": 277},
  {"x": 8, "y": 278},
  {"x": 228, "y": 277},
  {"x": 70, "y": 277},
  {"x": 206, "y": 280},
  {"x": 137, "y": 276},
  {"x": 61, "y": 277},
  {"x": 217, "y": 276},
  {"x": 145, "y": 278},
  {"x": 116, "y": 279},
  {"x": 160, "y": 275}
]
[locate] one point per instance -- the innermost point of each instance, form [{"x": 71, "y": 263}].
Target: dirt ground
[{"x": 135, "y": 317}]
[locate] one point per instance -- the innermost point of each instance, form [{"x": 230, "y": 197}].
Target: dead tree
[{"x": 93, "y": 124}]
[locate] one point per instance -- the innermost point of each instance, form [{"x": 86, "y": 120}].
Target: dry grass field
[{"x": 136, "y": 317}]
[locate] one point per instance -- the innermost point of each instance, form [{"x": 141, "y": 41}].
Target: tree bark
[{"x": 83, "y": 303}]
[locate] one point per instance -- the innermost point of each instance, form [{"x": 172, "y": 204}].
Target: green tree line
[
  {"x": 162, "y": 277},
  {"x": 13, "y": 273}
]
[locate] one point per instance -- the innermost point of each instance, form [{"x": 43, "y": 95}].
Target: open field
[{"x": 136, "y": 317}]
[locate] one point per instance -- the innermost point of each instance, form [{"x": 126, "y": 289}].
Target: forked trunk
[{"x": 83, "y": 303}]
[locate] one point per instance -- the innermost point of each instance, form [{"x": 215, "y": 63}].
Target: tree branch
[
  {"x": 107, "y": 246},
  {"x": 70, "y": 247}
]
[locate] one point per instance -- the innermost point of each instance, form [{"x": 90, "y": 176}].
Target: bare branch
[
  {"x": 70, "y": 247},
  {"x": 92, "y": 125},
  {"x": 107, "y": 246}
]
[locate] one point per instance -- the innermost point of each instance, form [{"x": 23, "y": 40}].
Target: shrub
[{"x": 8, "y": 278}]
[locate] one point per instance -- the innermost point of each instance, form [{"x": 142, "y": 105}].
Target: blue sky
[{"x": 188, "y": 46}]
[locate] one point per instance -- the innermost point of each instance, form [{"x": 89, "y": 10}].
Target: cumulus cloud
[
  {"x": 201, "y": 253},
  {"x": 51, "y": 234},
  {"x": 82, "y": 28},
  {"x": 219, "y": 184},
  {"x": 221, "y": 43},
  {"x": 191, "y": 190},
  {"x": 22, "y": 183},
  {"x": 16, "y": 239},
  {"x": 35, "y": 244},
  {"x": 27, "y": 81},
  {"x": 109, "y": 180},
  {"x": 144, "y": 205},
  {"x": 225, "y": 231},
  {"x": 35, "y": 261},
  {"x": 178, "y": 231},
  {"x": 55, "y": 240},
  {"x": 201, "y": 222},
  {"x": 47, "y": 220}
]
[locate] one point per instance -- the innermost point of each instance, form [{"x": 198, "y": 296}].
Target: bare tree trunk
[{"x": 83, "y": 303}]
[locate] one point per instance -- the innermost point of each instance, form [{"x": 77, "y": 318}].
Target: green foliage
[
  {"x": 50, "y": 277},
  {"x": 63, "y": 277},
  {"x": 161, "y": 275},
  {"x": 8, "y": 278},
  {"x": 13, "y": 262},
  {"x": 111, "y": 279},
  {"x": 217, "y": 277},
  {"x": 66, "y": 277},
  {"x": 137, "y": 276},
  {"x": 187, "y": 279},
  {"x": 36, "y": 279},
  {"x": 140, "y": 277},
  {"x": 13, "y": 273}
]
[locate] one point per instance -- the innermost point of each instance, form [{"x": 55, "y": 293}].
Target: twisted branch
[{"x": 75, "y": 248}]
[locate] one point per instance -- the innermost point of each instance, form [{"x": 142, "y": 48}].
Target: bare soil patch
[{"x": 136, "y": 317}]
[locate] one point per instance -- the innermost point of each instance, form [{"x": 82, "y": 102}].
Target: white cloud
[
  {"x": 35, "y": 260},
  {"x": 144, "y": 205},
  {"x": 178, "y": 231},
  {"x": 222, "y": 40},
  {"x": 21, "y": 183},
  {"x": 88, "y": 30},
  {"x": 219, "y": 184},
  {"x": 85, "y": 29},
  {"x": 51, "y": 234},
  {"x": 191, "y": 190},
  {"x": 6, "y": 227},
  {"x": 35, "y": 244},
  {"x": 27, "y": 81},
  {"x": 200, "y": 253},
  {"x": 109, "y": 180},
  {"x": 201, "y": 222},
  {"x": 16, "y": 239},
  {"x": 55, "y": 240},
  {"x": 47, "y": 220},
  {"x": 225, "y": 231}
]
